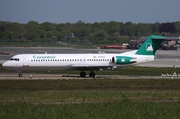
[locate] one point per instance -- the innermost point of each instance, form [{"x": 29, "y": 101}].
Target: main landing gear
[
  {"x": 83, "y": 74},
  {"x": 91, "y": 74}
]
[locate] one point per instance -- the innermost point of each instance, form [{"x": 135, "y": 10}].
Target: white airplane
[{"x": 84, "y": 62}]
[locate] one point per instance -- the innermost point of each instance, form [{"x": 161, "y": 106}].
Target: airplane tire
[
  {"x": 20, "y": 75},
  {"x": 92, "y": 75},
  {"x": 83, "y": 74}
]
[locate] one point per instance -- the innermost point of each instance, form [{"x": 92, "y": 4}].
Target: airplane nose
[{"x": 5, "y": 64}]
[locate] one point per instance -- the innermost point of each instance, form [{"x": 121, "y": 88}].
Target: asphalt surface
[{"x": 34, "y": 76}]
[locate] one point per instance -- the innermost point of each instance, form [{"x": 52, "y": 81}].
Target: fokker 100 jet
[{"x": 85, "y": 62}]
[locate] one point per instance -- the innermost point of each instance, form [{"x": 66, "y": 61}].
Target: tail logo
[{"x": 149, "y": 47}]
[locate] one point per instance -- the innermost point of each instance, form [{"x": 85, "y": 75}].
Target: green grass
[
  {"x": 124, "y": 110},
  {"x": 100, "y": 98},
  {"x": 99, "y": 90},
  {"x": 93, "y": 98}
]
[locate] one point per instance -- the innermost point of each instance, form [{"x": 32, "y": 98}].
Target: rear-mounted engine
[{"x": 123, "y": 60}]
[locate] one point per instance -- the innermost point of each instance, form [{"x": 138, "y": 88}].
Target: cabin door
[{"x": 25, "y": 61}]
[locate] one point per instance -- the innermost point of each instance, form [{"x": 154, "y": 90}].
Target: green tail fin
[{"x": 150, "y": 45}]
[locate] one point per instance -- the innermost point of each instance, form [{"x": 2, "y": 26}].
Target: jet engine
[{"x": 123, "y": 60}]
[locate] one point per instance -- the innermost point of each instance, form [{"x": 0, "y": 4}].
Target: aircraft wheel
[
  {"x": 83, "y": 74},
  {"x": 92, "y": 74},
  {"x": 20, "y": 75}
]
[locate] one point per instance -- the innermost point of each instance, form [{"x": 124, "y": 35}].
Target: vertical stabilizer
[{"x": 150, "y": 45}]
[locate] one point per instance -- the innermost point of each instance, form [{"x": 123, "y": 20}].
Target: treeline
[{"x": 81, "y": 32}]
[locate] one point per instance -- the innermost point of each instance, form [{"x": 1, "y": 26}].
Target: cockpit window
[
  {"x": 14, "y": 59},
  {"x": 11, "y": 59}
]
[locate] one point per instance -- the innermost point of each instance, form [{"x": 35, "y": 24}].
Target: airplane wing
[{"x": 89, "y": 67}]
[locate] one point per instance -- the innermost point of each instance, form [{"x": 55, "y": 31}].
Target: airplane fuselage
[
  {"x": 84, "y": 62},
  {"x": 71, "y": 61}
]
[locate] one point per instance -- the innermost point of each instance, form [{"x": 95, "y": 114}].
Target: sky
[{"x": 90, "y": 11}]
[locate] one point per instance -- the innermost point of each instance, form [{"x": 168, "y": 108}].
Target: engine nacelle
[{"x": 123, "y": 60}]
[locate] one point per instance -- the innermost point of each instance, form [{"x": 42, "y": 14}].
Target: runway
[{"x": 35, "y": 76}]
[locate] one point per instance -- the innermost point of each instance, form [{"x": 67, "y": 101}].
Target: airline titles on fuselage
[
  {"x": 54, "y": 58},
  {"x": 44, "y": 57}
]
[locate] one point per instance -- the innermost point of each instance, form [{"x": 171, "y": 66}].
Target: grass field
[
  {"x": 85, "y": 98},
  {"x": 93, "y": 98}
]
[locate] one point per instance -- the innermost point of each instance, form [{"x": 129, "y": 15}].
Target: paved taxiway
[{"x": 34, "y": 76}]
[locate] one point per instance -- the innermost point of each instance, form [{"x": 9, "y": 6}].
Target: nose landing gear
[{"x": 20, "y": 75}]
